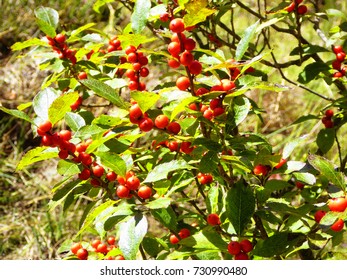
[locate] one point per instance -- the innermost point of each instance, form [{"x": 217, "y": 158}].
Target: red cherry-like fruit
[
  {"x": 45, "y": 126},
  {"x": 82, "y": 254},
  {"x": 161, "y": 121},
  {"x": 246, "y": 246},
  {"x": 133, "y": 183},
  {"x": 241, "y": 256},
  {"x": 177, "y": 25},
  {"x": 184, "y": 233},
  {"x": 111, "y": 176},
  {"x": 174, "y": 128},
  {"x": 144, "y": 192},
  {"x": 337, "y": 204},
  {"x": 174, "y": 239},
  {"x": 146, "y": 124},
  {"x": 338, "y": 225},
  {"x": 122, "y": 191},
  {"x": 213, "y": 219},
  {"x": 260, "y": 170},
  {"x": 183, "y": 83},
  {"x": 234, "y": 247},
  {"x": 318, "y": 216},
  {"x": 75, "y": 247}
]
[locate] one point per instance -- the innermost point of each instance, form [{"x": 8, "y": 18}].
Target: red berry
[
  {"x": 144, "y": 192},
  {"x": 201, "y": 91},
  {"x": 183, "y": 83},
  {"x": 46, "y": 140},
  {"x": 130, "y": 49},
  {"x": 133, "y": 85},
  {"x": 95, "y": 243},
  {"x": 75, "y": 247},
  {"x": 81, "y": 147},
  {"x": 173, "y": 63},
  {"x": 336, "y": 65},
  {"x": 337, "y": 49},
  {"x": 241, "y": 256},
  {"x": 65, "y": 134},
  {"x": 337, "y": 204},
  {"x": 82, "y": 75},
  {"x": 195, "y": 67},
  {"x": 290, "y": 8},
  {"x": 340, "y": 56},
  {"x": 132, "y": 57},
  {"x": 135, "y": 114},
  {"x": 189, "y": 44},
  {"x": 45, "y": 126},
  {"x": 111, "y": 240},
  {"x": 246, "y": 246},
  {"x": 227, "y": 85},
  {"x": 174, "y": 128},
  {"x": 177, "y": 25},
  {"x": 144, "y": 72},
  {"x": 111, "y": 176},
  {"x": 84, "y": 175},
  {"x": 186, "y": 58},
  {"x": 281, "y": 163},
  {"x": 174, "y": 48},
  {"x": 98, "y": 170},
  {"x": 208, "y": 114},
  {"x": 299, "y": 185},
  {"x": 146, "y": 124},
  {"x": 85, "y": 158},
  {"x": 184, "y": 233},
  {"x": 161, "y": 121},
  {"x": 60, "y": 38},
  {"x": 234, "y": 247},
  {"x": 173, "y": 146},
  {"x": 302, "y": 9},
  {"x": 82, "y": 254},
  {"x": 174, "y": 239},
  {"x": 102, "y": 248},
  {"x": 186, "y": 147},
  {"x": 133, "y": 183},
  {"x": 329, "y": 113},
  {"x": 319, "y": 215},
  {"x": 260, "y": 170},
  {"x": 164, "y": 17},
  {"x": 63, "y": 154},
  {"x": 329, "y": 124},
  {"x": 338, "y": 225},
  {"x": 122, "y": 191},
  {"x": 213, "y": 219},
  {"x": 218, "y": 111},
  {"x": 176, "y": 38},
  {"x": 337, "y": 75},
  {"x": 76, "y": 105}
]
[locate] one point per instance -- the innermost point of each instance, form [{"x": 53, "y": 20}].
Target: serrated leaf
[
  {"x": 140, "y": 15},
  {"x": 28, "y": 43},
  {"x": 311, "y": 71},
  {"x": 47, "y": 20},
  {"x": 240, "y": 206},
  {"x": 145, "y": 100},
  {"x": 16, "y": 113},
  {"x": 325, "y": 139},
  {"x": 67, "y": 168},
  {"x": 327, "y": 169},
  {"x": 60, "y": 106},
  {"x": 131, "y": 235},
  {"x": 74, "y": 121},
  {"x": 35, "y": 155},
  {"x": 105, "y": 91},
  {"x": 206, "y": 239},
  {"x": 245, "y": 40},
  {"x": 43, "y": 100},
  {"x": 166, "y": 217},
  {"x": 113, "y": 161},
  {"x": 162, "y": 202},
  {"x": 161, "y": 171},
  {"x": 209, "y": 162}
]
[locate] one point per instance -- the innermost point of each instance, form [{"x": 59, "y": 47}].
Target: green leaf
[
  {"x": 336, "y": 13},
  {"x": 240, "y": 206},
  {"x": 47, "y": 20},
  {"x": 105, "y": 91},
  {"x": 311, "y": 71},
  {"x": 134, "y": 39},
  {"x": 119, "y": 213},
  {"x": 114, "y": 162},
  {"x": 42, "y": 101},
  {"x": 276, "y": 185},
  {"x": 241, "y": 107},
  {"x": 89, "y": 130},
  {"x": 308, "y": 49},
  {"x": 92, "y": 215},
  {"x": 28, "y": 43},
  {"x": 162, "y": 202},
  {"x": 18, "y": 114},
  {"x": 166, "y": 217},
  {"x": 290, "y": 146},
  {"x": 212, "y": 200},
  {"x": 77, "y": 31},
  {"x": 181, "y": 106},
  {"x": 131, "y": 235},
  {"x": 325, "y": 139},
  {"x": 152, "y": 246},
  {"x": 161, "y": 171},
  {"x": 35, "y": 155},
  {"x": 74, "y": 121},
  {"x": 193, "y": 18},
  {"x": 208, "y": 143},
  {"x": 206, "y": 239},
  {"x": 67, "y": 168},
  {"x": 145, "y": 100},
  {"x": 237, "y": 163},
  {"x": 209, "y": 162},
  {"x": 60, "y": 106},
  {"x": 140, "y": 15},
  {"x": 327, "y": 169},
  {"x": 304, "y": 177},
  {"x": 275, "y": 245},
  {"x": 100, "y": 3},
  {"x": 245, "y": 40}
]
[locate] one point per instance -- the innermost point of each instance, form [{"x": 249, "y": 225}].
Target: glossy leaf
[
  {"x": 245, "y": 40},
  {"x": 131, "y": 235},
  {"x": 325, "y": 139},
  {"x": 67, "y": 168},
  {"x": 209, "y": 162},
  {"x": 113, "y": 161},
  {"x": 47, "y": 20},
  {"x": 241, "y": 107},
  {"x": 161, "y": 202},
  {"x": 207, "y": 239},
  {"x": 166, "y": 216},
  {"x": 74, "y": 121},
  {"x": 18, "y": 114},
  {"x": 145, "y": 100},
  {"x": 311, "y": 71},
  {"x": 140, "y": 15},
  {"x": 28, "y": 43},
  {"x": 42, "y": 101},
  {"x": 60, "y": 106}
]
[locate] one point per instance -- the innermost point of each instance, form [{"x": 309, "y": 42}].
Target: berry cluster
[
  {"x": 60, "y": 47},
  {"x": 327, "y": 119},
  {"x": 132, "y": 183},
  {"x": 338, "y": 204},
  {"x": 338, "y": 63},
  {"x": 295, "y": 6},
  {"x": 240, "y": 249},
  {"x": 183, "y": 233},
  {"x": 175, "y": 146},
  {"x": 97, "y": 246},
  {"x": 138, "y": 61}
]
